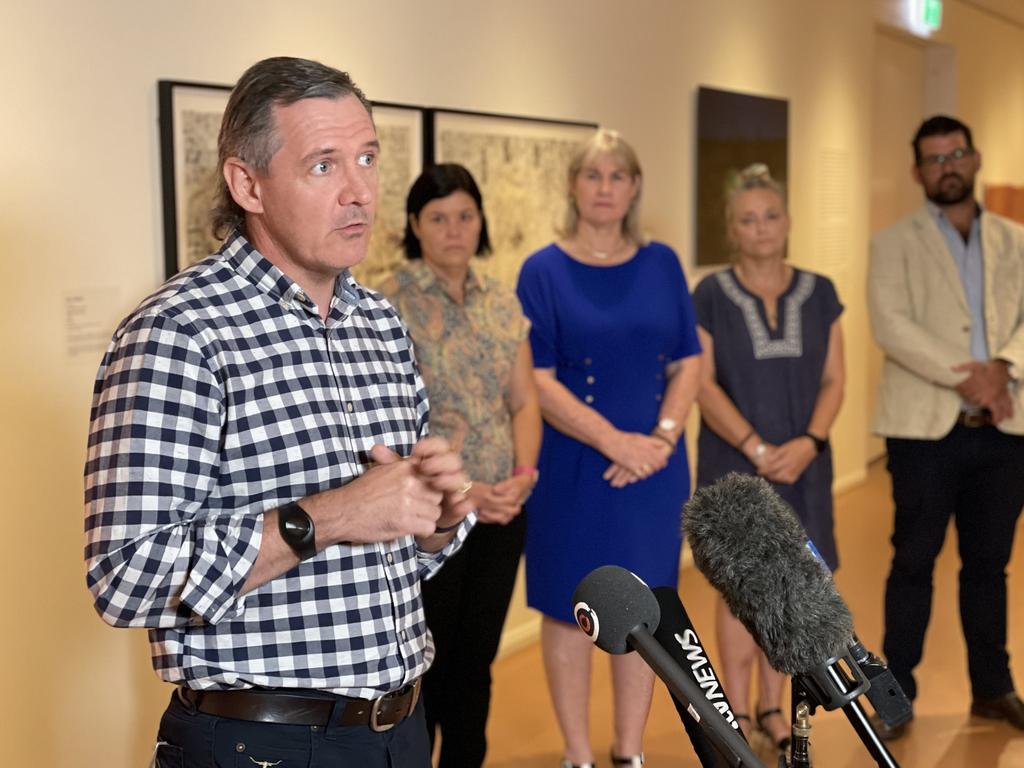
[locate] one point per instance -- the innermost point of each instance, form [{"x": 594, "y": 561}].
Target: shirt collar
[
  {"x": 426, "y": 279},
  {"x": 938, "y": 215},
  {"x": 249, "y": 264}
]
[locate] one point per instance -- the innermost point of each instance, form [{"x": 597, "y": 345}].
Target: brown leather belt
[
  {"x": 292, "y": 708},
  {"x": 982, "y": 418}
]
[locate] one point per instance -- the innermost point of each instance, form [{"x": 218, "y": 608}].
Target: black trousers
[
  {"x": 976, "y": 477},
  {"x": 466, "y": 603},
  {"x": 190, "y": 739}
]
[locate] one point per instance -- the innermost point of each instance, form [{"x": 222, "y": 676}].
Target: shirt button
[
  {"x": 590, "y": 379},
  {"x": 587, "y": 361},
  {"x": 404, "y": 635},
  {"x": 300, "y": 296},
  {"x": 349, "y": 407},
  {"x": 391, "y": 559},
  {"x": 589, "y": 398},
  {"x": 658, "y": 398}
]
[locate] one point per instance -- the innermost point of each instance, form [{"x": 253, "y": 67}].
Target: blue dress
[
  {"x": 772, "y": 377},
  {"x": 608, "y": 332}
]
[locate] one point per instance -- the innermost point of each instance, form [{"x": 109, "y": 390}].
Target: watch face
[
  {"x": 668, "y": 425},
  {"x": 296, "y": 527}
]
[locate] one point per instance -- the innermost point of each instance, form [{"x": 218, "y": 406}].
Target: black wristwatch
[
  {"x": 297, "y": 530},
  {"x": 820, "y": 444}
]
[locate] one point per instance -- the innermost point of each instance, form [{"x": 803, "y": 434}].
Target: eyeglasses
[{"x": 936, "y": 161}]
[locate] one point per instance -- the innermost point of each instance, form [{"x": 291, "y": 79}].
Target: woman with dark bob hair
[{"x": 470, "y": 340}]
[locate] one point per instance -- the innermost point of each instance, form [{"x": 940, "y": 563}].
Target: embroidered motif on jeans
[{"x": 792, "y": 343}]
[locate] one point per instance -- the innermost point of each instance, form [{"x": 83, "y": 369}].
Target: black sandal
[{"x": 783, "y": 743}]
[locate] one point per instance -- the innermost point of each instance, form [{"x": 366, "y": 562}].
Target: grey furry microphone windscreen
[{"x": 752, "y": 548}]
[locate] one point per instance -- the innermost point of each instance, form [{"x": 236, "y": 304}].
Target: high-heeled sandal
[
  {"x": 783, "y": 742},
  {"x": 633, "y": 761}
]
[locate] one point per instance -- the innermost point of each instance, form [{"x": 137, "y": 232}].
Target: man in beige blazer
[{"x": 946, "y": 299}]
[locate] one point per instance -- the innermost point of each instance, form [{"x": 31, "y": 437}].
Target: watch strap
[{"x": 820, "y": 444}]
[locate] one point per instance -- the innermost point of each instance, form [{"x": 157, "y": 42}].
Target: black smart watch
[
  {"x": 819, "y": 443},
  {"x": 297, "y": 530}
]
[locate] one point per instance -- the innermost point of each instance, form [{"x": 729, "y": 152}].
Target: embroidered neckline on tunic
[{"x": 791, "y": 344}]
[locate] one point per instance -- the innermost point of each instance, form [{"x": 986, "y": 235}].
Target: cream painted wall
[
  {"x": 80, "y": 211},
  {"x": 990, "y": 87}
]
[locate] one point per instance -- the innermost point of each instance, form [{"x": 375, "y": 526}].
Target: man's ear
[{"x": 243, "y": 185}]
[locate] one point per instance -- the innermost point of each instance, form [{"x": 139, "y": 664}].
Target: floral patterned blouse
[{"x": 466, "y": 353}]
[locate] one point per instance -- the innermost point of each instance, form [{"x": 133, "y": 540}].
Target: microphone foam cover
[
  {"x": 752, "y": 548},
  {"x": 610, "y": 603}
]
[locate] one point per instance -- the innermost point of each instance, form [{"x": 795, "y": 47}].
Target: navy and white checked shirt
[{"x": 224, "y": 395}]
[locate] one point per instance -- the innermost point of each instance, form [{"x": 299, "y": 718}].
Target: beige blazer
[{"x": 921, "y": 320}]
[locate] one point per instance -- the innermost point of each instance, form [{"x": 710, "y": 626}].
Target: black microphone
[
  {"x": 752, "y": 548},
  {"x": 619, "y": 613},
  {"x": 677, "y": 635}
]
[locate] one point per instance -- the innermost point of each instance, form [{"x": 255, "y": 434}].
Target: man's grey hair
[{"x": 249, "y": 130}]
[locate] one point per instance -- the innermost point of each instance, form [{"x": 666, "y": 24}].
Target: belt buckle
[
  {"x": 375, "y": 725},
  {"x": 414, "y": 695}
]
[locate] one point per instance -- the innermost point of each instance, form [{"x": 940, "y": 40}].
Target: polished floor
[{"x": 523, "y": 732}]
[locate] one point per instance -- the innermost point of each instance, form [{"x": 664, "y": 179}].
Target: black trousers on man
[
  {"x": 976, "y": 477},
  {"x": 466, "y": 603}
]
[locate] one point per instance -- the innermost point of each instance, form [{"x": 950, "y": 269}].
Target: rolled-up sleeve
[{"x": 156, "y": 555}]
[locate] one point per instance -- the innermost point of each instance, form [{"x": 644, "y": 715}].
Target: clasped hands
[
  {"x": 500, "y": 502},
  {"x": 781, "y": 463},
  {"x": 634, "y": 456},
  {"x": 986, "y": 385},
  {"x": 410, "y": 496}
]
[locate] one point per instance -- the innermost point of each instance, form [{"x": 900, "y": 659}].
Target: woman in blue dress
[
  {"x": 771, "y": 386},
  {"x": 616, "y": 361}
]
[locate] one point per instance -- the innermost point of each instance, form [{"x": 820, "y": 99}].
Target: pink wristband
[{"x": 532, "y": 471}]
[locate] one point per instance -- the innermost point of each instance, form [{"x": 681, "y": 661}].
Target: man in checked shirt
[{"x": 260, "y": 492}]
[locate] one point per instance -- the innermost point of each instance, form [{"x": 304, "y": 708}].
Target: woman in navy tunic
[
  {"x": 771, "y": 386},
  {"x": 616, "y": 363}
]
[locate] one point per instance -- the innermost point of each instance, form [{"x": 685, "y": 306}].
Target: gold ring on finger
[{"x": 465, "y": 487}]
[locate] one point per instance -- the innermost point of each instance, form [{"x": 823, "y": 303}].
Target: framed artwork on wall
[
  {"x": 734, "y": 130},
  {"x": 521, "y": 166},
  {"x": 190, "y": 117}
]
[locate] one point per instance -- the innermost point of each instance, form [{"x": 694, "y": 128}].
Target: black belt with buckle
[
  {"x": 294, "y": 708},
  {"x": 982, "y": 418}
]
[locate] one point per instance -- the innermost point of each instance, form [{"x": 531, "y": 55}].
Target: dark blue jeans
[
  {"x": 974, "y": 477},
  {"x": 195, "y": 740}
]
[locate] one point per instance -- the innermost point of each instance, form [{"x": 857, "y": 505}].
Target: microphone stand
[{"x": 833, "y": 685}]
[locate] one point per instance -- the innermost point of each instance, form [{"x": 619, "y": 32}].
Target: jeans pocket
[
  {"x": 168, "y": 756},
  {"x": 241, "y": 744}
]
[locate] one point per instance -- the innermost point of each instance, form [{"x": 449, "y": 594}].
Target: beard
[{"x": 951, "y": 189}]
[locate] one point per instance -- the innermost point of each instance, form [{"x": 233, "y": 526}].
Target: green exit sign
[{"x": 931, "y": 14}]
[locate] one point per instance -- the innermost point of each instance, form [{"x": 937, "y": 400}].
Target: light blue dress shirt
[{"x": 967, "y": 255}]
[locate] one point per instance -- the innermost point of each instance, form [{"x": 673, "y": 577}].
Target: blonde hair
[
  {"x": 754, "y": 176},
  {"x": 605, "y": 142}
]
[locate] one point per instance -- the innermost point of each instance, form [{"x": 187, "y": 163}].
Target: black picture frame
[{"x": 189, "y": 116}]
